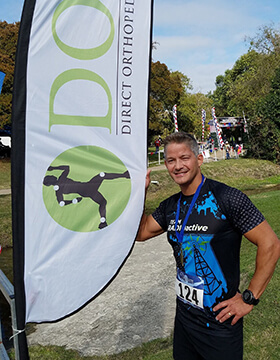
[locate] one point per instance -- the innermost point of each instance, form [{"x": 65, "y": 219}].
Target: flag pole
[{"x": 17, "y": 178}]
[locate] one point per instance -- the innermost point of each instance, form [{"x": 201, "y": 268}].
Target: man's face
[{"x": 183, "y": 166}]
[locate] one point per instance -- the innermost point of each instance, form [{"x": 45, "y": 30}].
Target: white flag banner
[{"x": 85, "y": 129}]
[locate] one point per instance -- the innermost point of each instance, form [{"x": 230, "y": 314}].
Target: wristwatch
[{"x": 249, "y": 298}]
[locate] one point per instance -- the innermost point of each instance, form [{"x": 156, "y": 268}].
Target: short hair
[{"x": 181, "y": 137}]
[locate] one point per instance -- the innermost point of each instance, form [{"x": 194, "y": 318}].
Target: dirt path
[{"x": 138, "y": 306}]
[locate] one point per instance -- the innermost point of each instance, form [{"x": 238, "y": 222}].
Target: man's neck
[{"x": 190, "y": 189}]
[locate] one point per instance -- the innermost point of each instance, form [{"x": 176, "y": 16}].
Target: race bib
[{"x": 189, "y": 289}]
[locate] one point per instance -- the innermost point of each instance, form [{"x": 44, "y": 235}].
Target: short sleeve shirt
[{"x": 210, "y": 247}]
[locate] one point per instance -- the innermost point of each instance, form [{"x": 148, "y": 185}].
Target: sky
[{"x": 200, "y": 38}]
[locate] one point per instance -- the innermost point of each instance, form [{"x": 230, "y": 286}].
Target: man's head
[
  {"x": 182, "y": 137},
  {"x": 183, "y": 161}
]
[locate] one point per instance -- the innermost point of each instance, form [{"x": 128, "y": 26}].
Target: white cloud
[
  {"x": 183, "y": 43},
  {"x": 203, "y": 76}
]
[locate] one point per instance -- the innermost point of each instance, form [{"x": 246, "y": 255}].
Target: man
[
  {"x": 157, "y": 145},
  {"x": 205, "y": 223},
  {"x": 227, "y": 151}
]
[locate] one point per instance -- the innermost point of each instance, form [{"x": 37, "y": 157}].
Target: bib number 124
[{"x": 189, "y": 294}]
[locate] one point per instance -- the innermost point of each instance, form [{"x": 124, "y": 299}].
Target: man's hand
[
  {"x": 234, "y": 307},
  {"x": 148, "y": 179}
]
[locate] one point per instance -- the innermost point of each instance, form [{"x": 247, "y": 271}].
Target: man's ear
[{"x": 200, "y": 159}]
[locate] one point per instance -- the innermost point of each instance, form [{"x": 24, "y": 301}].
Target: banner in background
[
  {"x": 174, "y": 110},
  {"x": 217, "y": 127},
  {"x": 79, "y": 147},
  {"x": 203, "y": 120},
  {"x": 2, "y": 77}
]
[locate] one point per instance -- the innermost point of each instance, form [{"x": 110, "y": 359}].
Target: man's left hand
[{"x": 234, "y": 308}]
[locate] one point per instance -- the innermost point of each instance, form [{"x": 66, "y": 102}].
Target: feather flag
[
  {"x": 203, "y": 119},
  {"x": 245, "y": 124},
  {"x": 174, "y": 110},
  {"x": 80, "y": 108},
  {"x": 218, "y": 131}
]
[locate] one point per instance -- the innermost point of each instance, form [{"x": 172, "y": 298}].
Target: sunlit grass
[{"x": 5, "y": 173}]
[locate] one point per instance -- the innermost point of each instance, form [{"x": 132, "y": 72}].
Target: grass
[
  {"x": 261, "y": 326},
  {"x": 245, "y": 174},
  {"x": 5, "y": 173},
  {"x": 5, "y": 221},
  {"x": 154, "y": 350}
]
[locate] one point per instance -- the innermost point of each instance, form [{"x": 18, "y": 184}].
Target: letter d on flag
[{"x": 80, "y": 110}]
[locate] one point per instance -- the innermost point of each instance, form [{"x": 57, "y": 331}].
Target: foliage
[
  {"x": 248, "y": 89},
  {"x": 266, "y": 41},
  {"x": 246, "y": 83},
  {"x": 189, "y": 113},
  {"x": 8, "y": 41},
  {"x": 265, "y": 126},
  {"x": 166, "y": 88}
]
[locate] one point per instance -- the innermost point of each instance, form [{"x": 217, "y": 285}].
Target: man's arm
[
  {"x": 268, "y": 254},
  {"x": 148, "y": 227}
]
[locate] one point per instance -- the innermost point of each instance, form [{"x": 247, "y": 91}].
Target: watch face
[{"x": 247, "y": 296}]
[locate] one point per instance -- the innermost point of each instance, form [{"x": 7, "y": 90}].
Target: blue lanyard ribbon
[{"x": 180, "y": 234}]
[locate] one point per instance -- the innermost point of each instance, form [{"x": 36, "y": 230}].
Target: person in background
[
  {"x": 157, "y": 145},
  {"x": 227, "y": 150}
]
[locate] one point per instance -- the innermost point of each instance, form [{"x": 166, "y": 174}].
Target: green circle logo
[{"x": 86, "y": 188}]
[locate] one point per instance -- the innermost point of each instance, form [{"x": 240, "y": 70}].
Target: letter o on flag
[{"x": 83, "y": 54}]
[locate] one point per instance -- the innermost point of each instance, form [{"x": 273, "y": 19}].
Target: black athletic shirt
[{"x": 211, "y": 245}]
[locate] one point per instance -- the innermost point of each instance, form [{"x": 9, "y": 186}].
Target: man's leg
[
  {"x": 222, "y": 348},
  {"x": 189, "y": 344},
  {"x": 183, "y": 348}
]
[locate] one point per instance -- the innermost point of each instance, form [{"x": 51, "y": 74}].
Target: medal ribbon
[{"x": 180, "y": 234}]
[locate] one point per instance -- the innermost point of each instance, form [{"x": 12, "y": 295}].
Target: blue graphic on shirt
[
  {"x": 209, "y": 203},
  {"x": 199, "y": 257}
]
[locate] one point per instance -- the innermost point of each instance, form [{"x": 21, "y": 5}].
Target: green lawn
[{"x": 5, "y": 174}]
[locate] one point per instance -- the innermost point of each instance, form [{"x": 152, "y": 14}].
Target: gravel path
[{"x": 138, "y": 306}]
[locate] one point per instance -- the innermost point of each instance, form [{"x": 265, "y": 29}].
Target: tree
[
  {"x": 265, "y": 125},
  {"x": 241, "y": 87},
  {"x": 189, "y": 112},
  {"x": 166, "y": 89},
  {"x": 8, "y": 41},
  {"x": 252, "y": 87},
  {"x": 266, "y": 41},
  {"x": 220, "y": 96}
]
